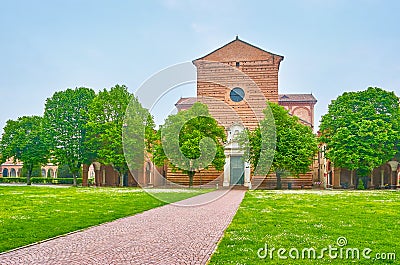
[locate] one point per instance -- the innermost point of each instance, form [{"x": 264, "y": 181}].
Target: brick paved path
[{"x": 166, "y": 235}]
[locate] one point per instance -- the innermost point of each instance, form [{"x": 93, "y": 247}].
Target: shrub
[
  {"x": 360, "y": 185},
  {"x": 40, "y": 180},
  {"x": 66, "y": 181},
  {"x": 12, "y": 180}
]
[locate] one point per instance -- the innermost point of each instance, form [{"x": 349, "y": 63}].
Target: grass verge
[
  {"x": 296, "y": 219},
  {"x": 32, "y": 214}
]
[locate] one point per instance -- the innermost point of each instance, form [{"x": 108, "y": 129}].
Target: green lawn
[
  {"x": 31, "y": 214},
  {"x": 311, "y": 219}
]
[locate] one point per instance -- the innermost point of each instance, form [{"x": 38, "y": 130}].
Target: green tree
[
  {"x": 191, "y": 140},
  {"x": 360, "y": 185},
  {"x": 361, "y": 129},
  {"x": 66, "y": 115},
  {"x": 293, "y": 151},
  {"x": 138, "y": 136},
  {"x": 115, "y": 128},
  {"x": 23, "y": 140}
]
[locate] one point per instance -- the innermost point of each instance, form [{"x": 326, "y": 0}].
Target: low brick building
[{"x": 14, "y": 169}]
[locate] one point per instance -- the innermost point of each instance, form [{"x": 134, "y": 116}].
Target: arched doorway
[
  {"x": 237, "y": 170},
  {"x": 13, "y": 173},
  {"x": 43, "y": 173},
  {"x": 5, "y": 172}
]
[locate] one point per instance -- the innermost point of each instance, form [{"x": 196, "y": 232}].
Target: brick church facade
[{"x": 235, "y": 81}]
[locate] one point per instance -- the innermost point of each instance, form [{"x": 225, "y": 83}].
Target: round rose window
[{"x": 237, "y": 94}]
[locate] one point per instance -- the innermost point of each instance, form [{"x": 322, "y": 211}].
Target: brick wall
[{"x": 238, "y": 64}]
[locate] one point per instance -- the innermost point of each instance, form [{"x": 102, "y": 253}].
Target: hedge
[
  {"x": 42, "y": 180},
  {"x": 12, "y": 180}
]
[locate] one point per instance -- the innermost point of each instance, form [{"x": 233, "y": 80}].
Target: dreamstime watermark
[{"x": 336, "y": 251}]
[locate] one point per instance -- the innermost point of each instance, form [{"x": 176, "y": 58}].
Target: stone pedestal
[{"x": 247, "y": 182}]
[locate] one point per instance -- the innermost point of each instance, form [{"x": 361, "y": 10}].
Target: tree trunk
[
  {"x": 191, "y": 175},
  {"x": 351, "y": 178},
  {"x": 28, "y": 177},
  {"x": 278, "y": 180},
  {"x": 75, "y": 182}
]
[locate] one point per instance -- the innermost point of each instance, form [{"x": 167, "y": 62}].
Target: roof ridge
[{"x": 296, "y": 97}]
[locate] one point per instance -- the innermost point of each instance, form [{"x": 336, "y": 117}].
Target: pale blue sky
[{"x": 329, "y": 46}]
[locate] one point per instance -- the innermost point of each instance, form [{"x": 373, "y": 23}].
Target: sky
[{"x": 329, "y": 46}]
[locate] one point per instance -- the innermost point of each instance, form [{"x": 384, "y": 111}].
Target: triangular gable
[{"x": 238, "y": 50}]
